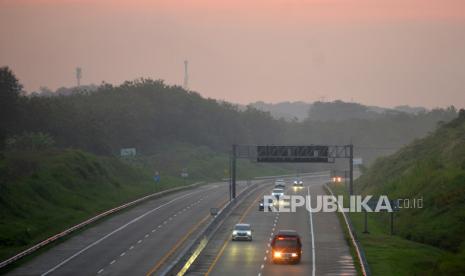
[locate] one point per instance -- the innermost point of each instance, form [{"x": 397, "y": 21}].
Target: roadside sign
[
  {"x": 128, "y": 152},
  {"x": 372, "y": 203},
  {"x": 393, "y": 204},
  {"x": 184, "y": 173},
  {"x": 157, "y": 177},
  {"x": 357, "y": 161}
]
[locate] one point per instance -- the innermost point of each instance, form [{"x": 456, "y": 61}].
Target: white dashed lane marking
[
  {"x": 153, "y": 231},
  {"x": 269, "y": 244}
]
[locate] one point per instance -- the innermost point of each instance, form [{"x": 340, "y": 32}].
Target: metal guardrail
[
  {"x": 87, "y": 222},
  {"x": 91, "y": 220},
  {"x": 356, "y": 243},
  {"x": 188, "y": 255}
]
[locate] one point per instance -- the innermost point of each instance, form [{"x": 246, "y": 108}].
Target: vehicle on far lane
[
  {"x": 286, "y": 247},
  {"x": 277, "y": 192},
  {"x": 298, "y": 183},
  {"x": 242, "y": 231},
  {"x": 261, "y": 204},
  {"x": 280, "y": 183}
]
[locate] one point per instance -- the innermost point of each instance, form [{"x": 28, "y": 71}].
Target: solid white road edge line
[{"x": 311, "y": 230}]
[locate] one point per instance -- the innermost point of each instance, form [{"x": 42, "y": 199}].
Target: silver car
[{"x": 242, "y": 231}]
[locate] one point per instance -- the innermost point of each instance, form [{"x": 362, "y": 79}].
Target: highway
[
  {"x": 325, "y": 250},
  {"x": 144, "y": 239},
  {"x": 137, "y": 241}
]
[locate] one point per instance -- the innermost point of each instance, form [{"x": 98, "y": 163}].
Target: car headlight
[
  {"x": 249, "y": 233},
  {"x": 277, "y": 254},
  {"x": 294, "y": 255},
  {"x": 234, "y": 232}
]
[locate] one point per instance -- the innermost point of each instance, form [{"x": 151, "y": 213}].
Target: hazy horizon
[{"x": 384, "y": 52}]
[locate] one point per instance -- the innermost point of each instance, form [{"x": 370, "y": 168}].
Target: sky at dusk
[{"x": 377, "y": 52}]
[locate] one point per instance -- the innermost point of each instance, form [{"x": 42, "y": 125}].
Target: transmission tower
[
  {"x": 186, "y": 76},
  {"x": 78, "y": 75}
]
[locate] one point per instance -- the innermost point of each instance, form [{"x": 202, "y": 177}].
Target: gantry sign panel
[{"x": 295, "y": 154}]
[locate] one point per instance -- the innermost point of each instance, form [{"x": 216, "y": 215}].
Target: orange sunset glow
[{"x": 384, "y": 52}]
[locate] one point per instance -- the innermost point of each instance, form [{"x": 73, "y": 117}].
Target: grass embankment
[
  {"x": 44, "y": 192},
  {"x": 428, "y": 240},
  {"x": 391, "y": 255}
]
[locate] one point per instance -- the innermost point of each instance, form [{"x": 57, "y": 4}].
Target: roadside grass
[
  {"x": 392, "y": 255},
  {"x": 42, "y": 193}
]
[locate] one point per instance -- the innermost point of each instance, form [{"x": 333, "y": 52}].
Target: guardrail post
[
  {"x": 233, "y": 173},
  {"x": 392, "y": 223},
  {"x": 365, "y": 230}
]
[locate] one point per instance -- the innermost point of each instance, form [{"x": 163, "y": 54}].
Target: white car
[
  {"x": 277, "y": 192},
  {"x": 280, "y": 184},
  {"x": 242, "y": 231}
]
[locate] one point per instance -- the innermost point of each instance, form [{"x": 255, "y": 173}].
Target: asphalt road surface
[
  {"x": 325, "y": 250},
  {"x": 139, "y": 241}
]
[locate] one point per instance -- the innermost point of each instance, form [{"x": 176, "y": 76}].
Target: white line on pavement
[
  {"x": 112, "y": 233},
  {"x": 311, "y": 230}
]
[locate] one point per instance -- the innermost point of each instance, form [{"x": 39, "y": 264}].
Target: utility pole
[
  {"x": 186, "y": 76},
  {"x": 230, "y": 176},
  {"x": 351, "y": 171},
  {"x": 233, "y": 169},
  {"x": 78, "y": 75}
]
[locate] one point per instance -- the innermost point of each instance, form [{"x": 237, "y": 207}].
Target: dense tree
[
  {"x": 10, "y": 91},
  {"x": 148, "y": 115}
]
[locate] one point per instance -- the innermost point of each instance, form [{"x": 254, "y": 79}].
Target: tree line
[{"x": 148, "y": 114}]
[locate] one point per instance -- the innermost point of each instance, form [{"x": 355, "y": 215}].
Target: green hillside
[
  {"x": 432, "y": 168},
  {"x": 43, "y": 192}
]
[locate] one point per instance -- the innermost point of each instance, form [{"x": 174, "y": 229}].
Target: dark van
[{"x": 286, "y": 247}]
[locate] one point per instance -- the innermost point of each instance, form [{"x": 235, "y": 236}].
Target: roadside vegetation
[
  {"x": 427, "y": 240},
  {"x": 59, "y": 151},
  {"x": 391, "y": 255},
  {"x": 43, "y": 192}
]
